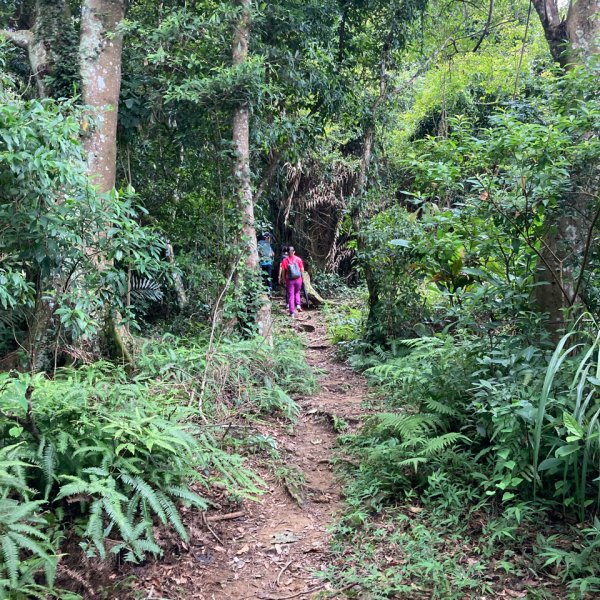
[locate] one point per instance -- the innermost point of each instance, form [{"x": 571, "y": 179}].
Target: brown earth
[{"x": 271, "y": 550}]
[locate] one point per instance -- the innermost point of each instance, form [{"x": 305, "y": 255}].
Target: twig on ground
[
  {"x": 284, "y": 568},
  {"x": 336, "y": 593},
  {"x": 227, "y": 517},
  {"x": 298, "y": 594},
  {"x": 213, "y": 532}
]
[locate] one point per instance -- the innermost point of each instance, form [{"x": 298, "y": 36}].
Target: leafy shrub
[
  {"x": 345, "y": 325},
  {"x": 103, "y": 457},
  {"x": 234, "y": 373},
  {"x": 532, "y": 416},
  {"x": 332, "y": 285}
]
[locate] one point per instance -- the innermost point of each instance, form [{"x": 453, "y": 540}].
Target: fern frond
[
  {"x": 442, "y": 442},
  {"x": 173, "y": 515},
  {"x": 49, "y": 468},
  {"x": 143, "y": 546},
  {"x": 95, "y": 529},
  {"x": 404, "y": 426},
  {"x": 20, "y": 510},
  {"x": 188, "y": 496},
  {"x": 440, "y": 408},
  {"x": 112, "y": 507},
  {"x": 10, "y": 553},
  {"x": 24, "y": 542},
  {"x": 74, "y": 488},
  {"x": 412, "y": 462},
  {"x": 147, "y": 493}
]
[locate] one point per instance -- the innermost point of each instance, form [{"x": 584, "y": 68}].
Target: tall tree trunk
[
  {"x": 573, "y": 40},
  {"x": 362, "y": 182},
  {"x": 100, "y": 55},
  {"x": 241, "y": 169},
  {"x": 51, "y": 47}
]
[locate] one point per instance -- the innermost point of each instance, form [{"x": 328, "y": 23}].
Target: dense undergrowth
[
  {"x": 479, "y": 467},
  {"x": 480, "y": 464},
  {"x": 96, "y": 458}
]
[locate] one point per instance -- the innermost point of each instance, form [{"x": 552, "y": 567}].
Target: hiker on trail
[
  {"x": 265, "y": 260},
  {"x": 290, "y": 275}
]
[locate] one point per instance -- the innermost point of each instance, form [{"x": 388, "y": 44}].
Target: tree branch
[
  {"x": 486, "y": 27},
  {"x": 588, "y": 243},
  {"x": 21, "y": 38}
]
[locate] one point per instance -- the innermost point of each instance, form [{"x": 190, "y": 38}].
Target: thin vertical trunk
[
  {"x": 572, "y": 40},
  {"x": 362, "y": 182},
  {"x": 100, "y": 55},
  {"x": 182, "y": 299},
  {"x": 241, "y": 168}
]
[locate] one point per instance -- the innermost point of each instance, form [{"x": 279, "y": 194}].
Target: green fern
[
  {"x": 25, "y": 547},
  {"x": 403, "y": 426}
]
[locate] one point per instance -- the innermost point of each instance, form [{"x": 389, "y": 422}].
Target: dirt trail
[{"x": 271, "y": 552}]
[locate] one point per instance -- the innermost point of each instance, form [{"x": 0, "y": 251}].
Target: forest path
[{"x": 272, "y": 551}]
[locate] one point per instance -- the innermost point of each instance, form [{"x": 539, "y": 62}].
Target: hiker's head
[
  {"x": 267, "y": 237},
  {"x": 284, "y": 250},
  {"x": 292, "y": 250}
]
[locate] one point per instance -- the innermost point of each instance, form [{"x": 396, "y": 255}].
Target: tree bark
[
  {"x": 182, "y": 299},
  {"x": 100, "y": 55},
  {"x": 51, "y": 47},
  {"x": 572, "y": 40},
  {"x": 362, "y": 183},
  {"x": 241, "y": 169}
]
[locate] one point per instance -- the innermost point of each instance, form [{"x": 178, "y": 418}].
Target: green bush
[{"x": 101, "y": 456}]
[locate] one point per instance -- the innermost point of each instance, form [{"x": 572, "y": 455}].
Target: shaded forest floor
[
  {"x": 302, "y": 526},
  {"x": 270, "y": 549}
]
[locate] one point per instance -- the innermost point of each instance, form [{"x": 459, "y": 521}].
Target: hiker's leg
[
  {"x": 267, "y": 275},
  {"x": 289, "y": 286},
  {"x": 297, "y": 288}
]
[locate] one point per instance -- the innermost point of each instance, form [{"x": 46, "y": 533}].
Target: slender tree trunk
[
  {"x": 362, "y": 183},
  {"x": 573, "y": 40},
  {"x": 100, "y": 54},
  {"x": 182, "y": 299},
  {"x": 359, "y": 189},
  {"x": 241, "y": 169}
]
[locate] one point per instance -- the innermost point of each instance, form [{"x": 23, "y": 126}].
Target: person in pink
[{"x": 290, "y": 274}]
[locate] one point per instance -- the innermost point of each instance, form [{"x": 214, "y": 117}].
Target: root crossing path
[{"x": 271, "y": 549}]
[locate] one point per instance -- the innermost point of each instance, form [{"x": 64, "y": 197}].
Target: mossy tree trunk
[
  {"x": 100, "y": 55},
  {"x": 241, "y": 170},
  {"x": 573, "y": 39},
  {"x": 51, "y": 45}
]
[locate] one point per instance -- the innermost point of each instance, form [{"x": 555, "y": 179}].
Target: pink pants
[{"x": 293, "y": 287}]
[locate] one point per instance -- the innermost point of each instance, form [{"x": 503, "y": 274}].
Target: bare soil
[{"x": 269, "y": 550}]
